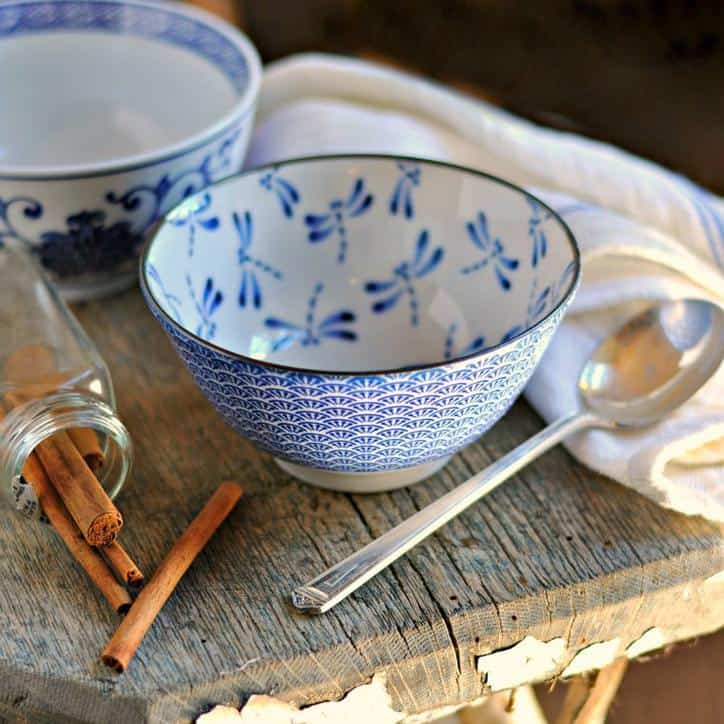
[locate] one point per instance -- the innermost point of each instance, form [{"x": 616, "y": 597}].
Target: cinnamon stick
[
  {"x": 87, "y": 502},
  {"x": 89, "y": 446},
  {"x": 123, "y": 565},
  {"x": 96, "y": 568},
  {"x": 122, "y": 646}
]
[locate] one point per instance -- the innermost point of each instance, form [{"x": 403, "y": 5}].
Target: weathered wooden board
[{"x": 557, "y": 552}]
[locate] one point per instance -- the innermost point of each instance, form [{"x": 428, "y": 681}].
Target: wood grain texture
[{"x": 558, "y": 551}]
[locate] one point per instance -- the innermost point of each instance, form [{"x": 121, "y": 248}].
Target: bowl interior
[
  {"x": 98, "y": 81},
  {"x": 360, "y": 263}
]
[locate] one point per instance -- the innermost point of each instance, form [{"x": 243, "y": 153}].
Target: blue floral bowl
[
  {"x": 122, "y": 109},
  {"x": 362, "y": 318}
]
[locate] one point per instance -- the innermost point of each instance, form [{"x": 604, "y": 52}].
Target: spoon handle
[{"x": 338, "y": 582}]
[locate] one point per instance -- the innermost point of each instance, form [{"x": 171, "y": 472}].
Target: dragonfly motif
[
  {"x": 474, "y": 345},
  {"x": 193, "y": 213},
  {"x": 321, "y": 226},
  {"x": 402, "y": 282},
  {"x": 538, "y": 217},
  {"x": 250, "y": 289},
  {"x": 493, "y": 252},
  {"x": 171, "y": 299},
  {"x": 206, "y": 307},
  {"x": 402, "y": 194},
  {"x": 537, "y": 305},
  {"x": 541, "y": 303},
  {"x": 311, "y": 333},
  {"x": 285, "y": 191}
]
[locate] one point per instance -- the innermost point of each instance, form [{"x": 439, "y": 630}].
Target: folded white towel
[{"x": 645, "y": 234}]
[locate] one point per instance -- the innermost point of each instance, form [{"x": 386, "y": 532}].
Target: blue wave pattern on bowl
[
  {"x": 287, "y": 306},
  {"x": 103, "y": 238},
  {"x": 364, "y": 423}
]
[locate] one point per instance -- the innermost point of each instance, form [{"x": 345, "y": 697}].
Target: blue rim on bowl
[
  {"x": 175, "y": 24},
  {"x": 510, "y": 341}
]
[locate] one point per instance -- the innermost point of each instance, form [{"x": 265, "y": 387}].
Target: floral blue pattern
[
  {"x": 29, "y": 210},
  {"x": 210, "y": 301},
  {"x": 88, "y": 244},
  {"x": 285, "y": 191},
  {"x": 493, "y": 252},
  {"x": 403, "y": 278},
  {"x": 148, "y": 202},
  {"x": 193, "y": 213},
  {"x": 322, "y": 226},
  {"x": 401, "y": 198},
  {"x": 250, "y": 289},
  {"x": 334, "y": 326}
]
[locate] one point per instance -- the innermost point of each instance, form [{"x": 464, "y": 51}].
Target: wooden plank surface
[{"x": 557, "y": 552}]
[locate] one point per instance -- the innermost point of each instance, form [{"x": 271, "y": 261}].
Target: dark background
[{"x": 647, "y": 75}]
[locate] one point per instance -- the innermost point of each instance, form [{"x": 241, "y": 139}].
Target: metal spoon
[{"x": 637, "y": 376}]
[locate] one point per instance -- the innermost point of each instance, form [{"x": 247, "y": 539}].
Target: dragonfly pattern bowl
[
  {"x": 114, "y": 111},
  {"x": 361, "y": 317}
]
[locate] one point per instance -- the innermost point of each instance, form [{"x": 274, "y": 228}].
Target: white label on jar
[{"x": 26, "y": 501}]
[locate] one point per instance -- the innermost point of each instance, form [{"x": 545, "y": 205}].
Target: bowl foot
[{"x": 362, "y": 482}]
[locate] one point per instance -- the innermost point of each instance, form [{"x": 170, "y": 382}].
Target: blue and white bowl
[
  {"x": 113, "y": 112},
  {"x": 361, "y": 317}
]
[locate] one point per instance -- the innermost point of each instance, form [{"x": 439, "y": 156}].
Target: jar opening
[{"x": 28, "y": 424}]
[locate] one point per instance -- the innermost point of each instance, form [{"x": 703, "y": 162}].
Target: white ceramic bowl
[
  {"x": 361, "y": 317},
  {"x": 112, "y": 113}
]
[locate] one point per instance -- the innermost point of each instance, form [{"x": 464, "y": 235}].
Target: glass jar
[{"x": 52, "y": 379}]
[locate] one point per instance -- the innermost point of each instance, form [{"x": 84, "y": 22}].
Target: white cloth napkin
[{"x": 645, "y": 234}]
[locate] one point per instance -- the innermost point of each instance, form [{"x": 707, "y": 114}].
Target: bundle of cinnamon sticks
[{"x": 62, "y": 471}]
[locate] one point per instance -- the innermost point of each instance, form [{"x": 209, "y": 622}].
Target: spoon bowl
[{"x": 654, "y": 363}]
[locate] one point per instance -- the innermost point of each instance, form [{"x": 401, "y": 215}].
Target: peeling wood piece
[
  {"x": 220, "y": 714},
  {"x": 589, "y": 697},
  {"x": 650, "y": 640},
  {"x": 362, "y": 705},
  {"x": 717, "y": 578},
  {"x": 529, "y": 660},
  {"x": 593, "y": 657}
]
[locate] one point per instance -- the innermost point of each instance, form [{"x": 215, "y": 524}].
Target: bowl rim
[
  {"x": 564, "y": 300},
  {"x": 243, "y": 105}
]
